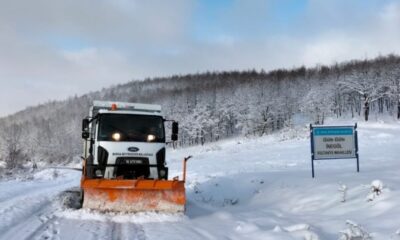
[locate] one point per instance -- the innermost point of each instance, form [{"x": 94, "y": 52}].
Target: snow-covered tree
[
  {"x": 366, "y": 82},
  {"x": 13, "y": 148}
]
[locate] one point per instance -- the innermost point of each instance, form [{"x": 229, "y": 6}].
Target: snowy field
[{"x": 257, "y": 188}]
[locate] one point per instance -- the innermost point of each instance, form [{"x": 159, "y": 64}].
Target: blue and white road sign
[{"x": 333, "y": 142}]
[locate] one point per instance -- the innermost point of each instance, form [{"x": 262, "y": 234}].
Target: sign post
[{"x": 333, "y": 142}]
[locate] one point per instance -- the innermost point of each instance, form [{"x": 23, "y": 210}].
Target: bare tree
[{"x": 13, "y": 147}]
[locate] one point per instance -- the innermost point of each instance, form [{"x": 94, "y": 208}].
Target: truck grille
[{"x": 132, "y": 167}]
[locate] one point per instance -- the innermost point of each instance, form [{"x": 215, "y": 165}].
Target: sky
[{"x": 53, "y": 49}]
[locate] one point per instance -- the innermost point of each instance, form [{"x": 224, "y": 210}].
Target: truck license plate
[{"x": 133, "y": 161}]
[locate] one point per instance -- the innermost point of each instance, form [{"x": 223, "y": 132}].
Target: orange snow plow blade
[
  {"x": 134, "y": 195},
  {"x": 139, "y": 195}
]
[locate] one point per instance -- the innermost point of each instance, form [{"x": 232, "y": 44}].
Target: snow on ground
[{"x": 257, "y": 188}]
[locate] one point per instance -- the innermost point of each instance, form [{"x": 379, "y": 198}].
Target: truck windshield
[{"x": 131, "y": 128}]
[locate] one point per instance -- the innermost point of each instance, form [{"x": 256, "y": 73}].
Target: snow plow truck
[{"x": 124, "y": 167}]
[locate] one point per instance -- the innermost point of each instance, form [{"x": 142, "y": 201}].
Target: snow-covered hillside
[
  {"x": 212, "y": 106},
  {"x": 258, "y": 188}
]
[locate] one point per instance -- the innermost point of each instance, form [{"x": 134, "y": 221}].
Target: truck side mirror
[
  {"x": 175, "y": 131},
  {"x": 85, "y": 128}
]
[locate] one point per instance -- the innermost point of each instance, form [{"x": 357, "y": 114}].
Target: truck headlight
[
  {"x": 116, "y": 136},
  {"x": 151, "y": 137}
]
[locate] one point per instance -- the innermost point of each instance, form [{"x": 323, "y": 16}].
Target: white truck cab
[{"x": 125, "y": 141}]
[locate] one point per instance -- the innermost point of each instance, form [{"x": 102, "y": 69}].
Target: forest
[{"x": 212, "y": 106}]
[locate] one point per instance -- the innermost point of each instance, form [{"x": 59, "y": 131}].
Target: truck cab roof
[
  {"x": 106, "y": 111},
  {"x": 103, "y": 107}
]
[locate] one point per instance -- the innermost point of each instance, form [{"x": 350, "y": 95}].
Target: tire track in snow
[
  {"x": 115, "y": 231},
  {"x": 48, "y": 230},
  {"x": 128, "y": 228},
  {"x": 30, "y": 226},
  {"x": 127, "y": 231},
  {"x": 27, "y": 212},
  {"x": 24, "y": 210},
  {"x": 83, "y": 229}
]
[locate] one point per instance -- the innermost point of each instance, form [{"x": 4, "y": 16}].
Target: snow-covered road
[
  {"x": 257, "y": 188},
  {"x": 34, "y": 210},
  {"x": 27, "y": 210}
]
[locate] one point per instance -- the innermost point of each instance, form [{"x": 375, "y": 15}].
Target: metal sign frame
[{"x": 355, "y": 136}]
